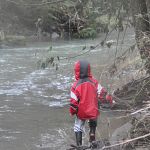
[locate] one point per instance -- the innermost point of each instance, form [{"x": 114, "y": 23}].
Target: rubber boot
[
  {"x": 78, "y": 138},
  {"x": 92, "y": 134},
  {"x": 92, "y": 137}
]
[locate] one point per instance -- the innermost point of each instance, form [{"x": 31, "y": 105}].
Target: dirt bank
[
  {"x": 134, "y": 134},
  {"x": 136, "y": 96}
]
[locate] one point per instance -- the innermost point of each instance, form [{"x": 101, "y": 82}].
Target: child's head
[{"x": 82, "y": 69}]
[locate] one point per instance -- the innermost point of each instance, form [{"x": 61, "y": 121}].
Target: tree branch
[
  {"x": 126, "y": 141},
  {"x": 40, "y": 4}
]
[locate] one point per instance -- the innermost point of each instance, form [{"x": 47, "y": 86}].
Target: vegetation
[
  {"x": 79, "y": 19},
  {"x": 74, "y": 18}
]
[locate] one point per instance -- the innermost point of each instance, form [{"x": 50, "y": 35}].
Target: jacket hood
[{"x": 82, "y": 69}]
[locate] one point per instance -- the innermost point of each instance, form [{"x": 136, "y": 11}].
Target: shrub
[{"x": 86, "y": 33}]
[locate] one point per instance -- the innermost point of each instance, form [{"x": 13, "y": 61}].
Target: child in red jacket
[{"x": 85, "y": 93}]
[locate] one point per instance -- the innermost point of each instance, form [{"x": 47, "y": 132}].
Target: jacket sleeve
[
  {"x": 102, "y": 92},
  {"x": 73, "y": 101},
  {"x": 103, "y": 95}
]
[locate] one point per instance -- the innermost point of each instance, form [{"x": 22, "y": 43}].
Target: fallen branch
[
  {"x": 141, "y": 89},
  {"x": 129, "y": 115},
  {"x": 40, "y": 4},
  {"x": 126, "y": 141},
  {"x": 140, "y": 110}
]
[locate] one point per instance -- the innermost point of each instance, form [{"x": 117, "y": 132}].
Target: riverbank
[
  {"x": 134, "y": 98},
  {"x": 18, "y": 41},
  {"x": 134, "y": 134},
  {"x": 137, "y": 96}
]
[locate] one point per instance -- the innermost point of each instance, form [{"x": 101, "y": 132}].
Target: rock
[
  {"x": 120, "y": 134},
  {"x": 54, "y": 36}
]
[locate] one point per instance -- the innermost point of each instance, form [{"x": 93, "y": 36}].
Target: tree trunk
[
  {"x": 148, "y": 5},
  {"x": 142, "y": 29}
]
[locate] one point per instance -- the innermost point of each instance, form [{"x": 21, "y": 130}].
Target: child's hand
[
  {"x": 71, "y": 115},
  {"x": 73, "y": 111},
  {"x": 109, "y": 99}
]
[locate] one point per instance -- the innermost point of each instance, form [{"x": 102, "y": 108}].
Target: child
[{"x": 85, "y": 93}]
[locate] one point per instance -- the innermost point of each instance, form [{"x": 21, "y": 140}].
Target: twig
[
  {"x": 141, "y": 120},
  {"x": 40, "y": 4},
  {"x": 117, "y": 45},
  {"x": 90, "y": 49},
  {"x": 140, "y": 90},
  {"x": 126, "y": 51},
  {"x": 70, "y": 57},
  {"x": 123, "y": 100},
  {"x": 131, "y": 114},
  {"x": 140, "y": 110},
  {"x": 116, "y": 110},
  {"x": 126, "y": 26}
]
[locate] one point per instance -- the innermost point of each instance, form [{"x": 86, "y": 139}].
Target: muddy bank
[
  {"x": 135, "y": 93},
  {"x": 136, "y": 96},
  {"x": 13, "y": 41},
  {"x": 133, "y": 134}
]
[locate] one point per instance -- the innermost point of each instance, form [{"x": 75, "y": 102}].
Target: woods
[
  {"x": 141, "y": 19},
  {"x": 79, "y": 19}
]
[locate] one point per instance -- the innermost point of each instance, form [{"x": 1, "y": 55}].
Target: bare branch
[
  {"x": 40, "y": 4},
  {"x": 126, "y": 141}
]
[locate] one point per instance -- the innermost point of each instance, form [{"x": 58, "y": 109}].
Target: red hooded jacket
[{"x": 85, "y": 93}]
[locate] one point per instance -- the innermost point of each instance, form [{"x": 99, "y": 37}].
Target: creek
[{"x": 34, "y": 112}]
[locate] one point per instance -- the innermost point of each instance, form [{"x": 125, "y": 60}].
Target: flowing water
[{"x": 34, "y": 102}]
